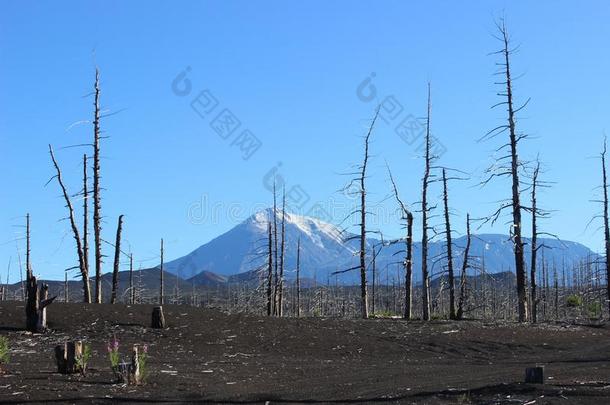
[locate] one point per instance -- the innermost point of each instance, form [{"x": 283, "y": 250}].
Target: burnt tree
[
  {"x": 450, "y": 275},
  {"x": 424, "y": 209},
  {"x": 280, "y": 311},
  {"x": 298, "y": 278},
  {"x": 75, "y": 231},
  {"x": 509, "y": 165},
  {"x": 117, "y": 259},
  {"x": 465, "y": 265},
  {"x": 161, "y": 291},
  {"x": 407, "y": 216},
  {"x": 606, "y": 226},
  {"x": 269, "y": 271},
  {"x": 97, "y": 216}
]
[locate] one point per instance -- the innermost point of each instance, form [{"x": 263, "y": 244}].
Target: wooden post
[
  {"x": 158, "y": 320},
  {"x": 68, "y": 357},
  {"x": 534, "y": 375},
  {"x": 134, "y": 371}
]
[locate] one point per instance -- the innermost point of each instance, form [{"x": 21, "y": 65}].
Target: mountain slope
[{"x": 324, "y": 250}]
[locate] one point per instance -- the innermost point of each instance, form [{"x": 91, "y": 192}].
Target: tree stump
[
  {"x": 68, "y": 357},
  {"x": 534, "y": 375},
  {"x": 36, "y": 307},
  {"x": 135, "y": 377},
  {"x": 158, "y": 320}
]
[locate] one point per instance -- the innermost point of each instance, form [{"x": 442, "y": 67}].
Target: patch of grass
[
  {"x": 4, "y": 349},
  {"x": 574, "y": 301}
]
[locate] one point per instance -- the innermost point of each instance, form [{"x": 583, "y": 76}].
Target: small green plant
[
  {"x": 594, "y": 309},
  {"x": 113, "y": 354},
  {"x": 574, "y": 301},
  {"x": 83, "y": 359},
  {"x": 4, "y": 349},
  {"x": 143, "y": 359}
]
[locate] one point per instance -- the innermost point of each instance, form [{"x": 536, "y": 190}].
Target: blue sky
[{"x": 289, "y": 73}]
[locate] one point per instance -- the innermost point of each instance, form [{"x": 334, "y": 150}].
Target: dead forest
[{"x": 449, "y": 287}]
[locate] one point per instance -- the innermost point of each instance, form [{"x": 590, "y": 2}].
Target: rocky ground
[{"x": 208, "y": 356}]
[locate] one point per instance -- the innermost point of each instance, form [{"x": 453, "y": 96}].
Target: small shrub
[
  {"x": 143, "y": 358},
  {"x": 4, "y": 349},
  {"x": 594, "y": 309},
  {"x": 574, "y": 301},
  {"x": 83, "y": 359},
  {"x": 113, "y": 354}
]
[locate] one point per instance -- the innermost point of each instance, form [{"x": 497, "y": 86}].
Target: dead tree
[
  {"x": 606, "y": 226},
  {"x": 407, "y": 216},
  {"x": 465, "y": 265},
  {"x": 97, "y": 216},
  {"x": 363, "y": 289},
  {"x": 117, "y": 259},
  {"x": 270, "y": 272},
  {"x": 75, "y": 232},
  {"x": 161, "y": 292},
  {"x": 451, "y": 276},
  {"x": 534, "y": 247},
  {"x": 299, "y": 277},
  {"x": 280, "y": 311},
  {"x": 132, "y": 292},
  {"x": 37, "y": 295},
  {"x": 424, "y": 209},
  {"x": 86, "y": 219},
  {"x": 275, "y": 252},
  {"x": 509, "y": 166}
]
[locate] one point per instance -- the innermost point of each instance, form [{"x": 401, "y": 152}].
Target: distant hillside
[{"x": 323, "y": 250}]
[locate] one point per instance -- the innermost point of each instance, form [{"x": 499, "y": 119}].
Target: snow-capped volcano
[
  {"x": 244, "y": 247},
  {"x": 325, "y": 249}
]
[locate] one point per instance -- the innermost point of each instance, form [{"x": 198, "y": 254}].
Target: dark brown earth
[{"x": 207, "y": 356}]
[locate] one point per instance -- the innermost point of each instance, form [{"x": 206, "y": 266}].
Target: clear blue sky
[{"x": 289, "y": 73}]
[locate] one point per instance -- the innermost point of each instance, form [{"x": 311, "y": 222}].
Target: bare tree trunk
[
  {"x": 282, "y": 251},
  {"x": 363, "y": 288},
  {"x": 117, "y": 259},
  {"x": 606, "y": 225},
  {"x": 161, "y": 292},
  {"x": 424, "y": 207},
  {"x": 66, "y": 296},
  {"x": 132, "y": 293},
  {"x": 86, "y": 221},
  {"x": 409, "y": 269},
  {"x": 465, "y": 265},
  {"x": 514, "y": 170},
  {"x": 270, "y": 272},
  {"x": 275, "y": 250},
  {"x": 449, "y": 250},
  {"x": 97, "y": 218},
  {"x": 75, "y": 232},
  {"x": 534, "y": 298},
  {"x": 299, "y": 278},
  {"x": 28, "y": 263}
]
